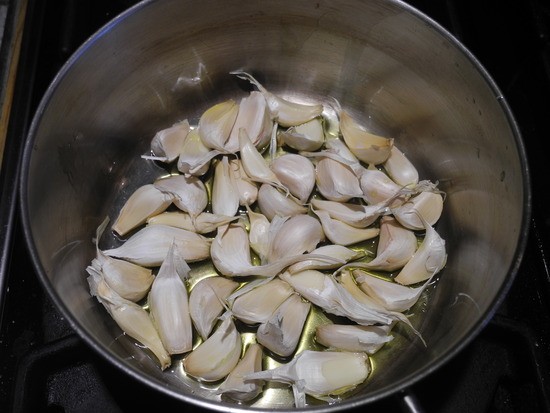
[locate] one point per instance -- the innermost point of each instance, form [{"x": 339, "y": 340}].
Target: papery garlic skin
[
  {"x": 336, "y": 251},
  {"x": 308, "y": 136},
  {"x": 169, "y": 304},
  {"x": 253, "y": 117},
  {"x": 216, "y": 123},
  {"x": 203, "y": 223},
  {"x": 234, "y": 386},
  {"x": 349, "y": 337},
  {"x": 356, "y": 215},
  {"x": 188, "y": 192},
  {"x": 368, "y": 147},
  {"x": 336, "y": 181},
  {"x": 216, "y": 357},
  {"x": 148, "y": 247},
  {"x": 146, "y": 201},
  {"x": 296, "y": 173},
  {"x": 427, "y": 204},
  {"x": 167, "y": 143},
  {"x": 206, "y": 302},
  {"x": 257, "y": 305},
  {"x": 281, "y": 332},
  {"x": 193, "y": 158},
  {"x": 319, "y": 373},
  {"x": 130, "y": 317},
  {"x": 273, "y": 202}
]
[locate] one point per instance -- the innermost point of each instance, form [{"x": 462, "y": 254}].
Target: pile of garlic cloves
[{"x": 292, "y": 219}]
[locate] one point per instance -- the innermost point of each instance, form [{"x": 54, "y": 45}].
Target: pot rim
[{"x": 397, "y": 388}]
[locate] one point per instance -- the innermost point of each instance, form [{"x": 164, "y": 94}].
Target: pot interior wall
[{"x": 165, "y": 61}]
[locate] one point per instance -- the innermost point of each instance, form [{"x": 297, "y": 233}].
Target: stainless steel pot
[{"x": 393, "y": 67}]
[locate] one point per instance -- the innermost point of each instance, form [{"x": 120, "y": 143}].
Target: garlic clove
[
  {"x": 281, "y": 332},
  {"x": 428, "y": 260},
  {"x": 254, "y": 164},
  {"x": 427, "y": 204},
  {"x": 308, "y": 136},
  {"x": 285, "y": 112},
  {"x": 391, "y": 295},
  {"x": 149, "y": 246},
  {"x": 368, "y": 147},
  {"x": 253, "y": 117},
  {"x": 296, "y": 173},
  {"x": 336, "y": 181},
  {"x": 258, "y": 234},
  {"x": 246, "y": 188},
  {"x": 339, "y": 148},
  {"x": 225, "y": 197},
  {"x": 378, "y": 187},
  {"x": 204, "y": 223},
  {"x": 323, "y": 291},
  {"x": 167, "y": 143},
  {"x": 189, "y": 193},
  {"x": 205, "y": 302},
  {"x": 230, "y": 250},
  {"x": 341, "y": 233},
  {"x": 145, "y": 202},
  {"x": 194, "y": 155},
  {"x": 400, "y": 169},
  {"x": 217, "y": 356},
  {"x": 216, "y": 123},
  {"x": 234, "y": 386},
  {"x": 296, "y": 235},
  {"x": 336, "y": 251},
  {"x": 257, "y": 305},
  {"x": 347, "y": 337},
  {"x": 169, "y": 304},
  {"x": 130, "y": 317},
  {"x": 356, "y": 215},
  {"x": 319, "y": 374},
  {"x": 272, "y": 202},
  {"x": 396, "y": 246}
]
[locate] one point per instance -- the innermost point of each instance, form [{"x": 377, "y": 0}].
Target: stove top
[{"x": 44, "y": 366}]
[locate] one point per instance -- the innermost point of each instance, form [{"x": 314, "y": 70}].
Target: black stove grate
[{"x": 45, "y": 367}]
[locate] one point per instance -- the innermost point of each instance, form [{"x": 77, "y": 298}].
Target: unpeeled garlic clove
[
  {"x": 391, "y": 295},
  {"x": 258, "y": 234},
  {"x": 216, "y": 123},
  {"x": 336, "y": 251},
  {"x": 254, "y": 164},
  {"x": 149, "y": 246},
  {"x": 145, "y": 202},
  {"x": 205, "y": 302},
  {"x": 348, "y": 337},
  {"x": 308, "y": 136},
  {"x": 189, "y": 193},
  {"x": 130, "y": 317},
  {"x": 319, "y": 374},
  {"x": 336, "y": 181},
  {"x": 225, "y": 197},
  {"x": 204, "y": 223},
  {"x": 281, "y": 332},
  {"x": 339, "y": 148},
  {"x": 296, "y": 173},
  {"x": 286, "y": 113},
  {"x": 341, "y": 233},
  {"x": 194, "y": 155},
  {"x": 167, "y": 143},
  {"x": 400, "y": 169},
  {"x": 246, "y": 188},
  {"x": 230, "y": 250},
  {"x": 428, "y": 260},
  {"x": 272, "y": 202},
  {"x": 356, "y": 215},
  {"x": 427, "y": 204},
  {"x": 378, "y": 187},
  {"x": 396, "y": 246},
  {"x": 216, "y": 357},
  {"x": 296, "y": 235},
  {"x": 257, "y": 305},
  {"x": 253, "y": 117},
  {"x": 234, "y": 386},
  {"x": 169, "y": 304},
  {"x": 368, "y": 147}
]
